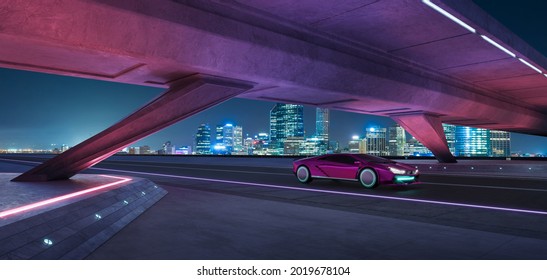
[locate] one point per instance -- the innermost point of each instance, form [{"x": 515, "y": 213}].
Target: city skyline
[
  {"x": 91, "y": 106},
  {"x": 462, "y": 141}
]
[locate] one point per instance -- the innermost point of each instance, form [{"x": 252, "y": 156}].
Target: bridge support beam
[
  {"x": 427, "y": 129},
  {"x": 183, "y": 99}
]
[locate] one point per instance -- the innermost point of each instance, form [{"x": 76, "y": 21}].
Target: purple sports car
[{"x": 370, "y": 171}]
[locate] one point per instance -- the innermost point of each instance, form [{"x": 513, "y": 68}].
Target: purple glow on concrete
[
  {"x": 336, "y": 192},
  {"x": 38, "y": 204}
]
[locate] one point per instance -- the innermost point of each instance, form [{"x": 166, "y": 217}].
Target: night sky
[{"x": 38, "y": 110}]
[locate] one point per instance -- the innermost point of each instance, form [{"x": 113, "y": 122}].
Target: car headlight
[{"x": 396, "y": 170}]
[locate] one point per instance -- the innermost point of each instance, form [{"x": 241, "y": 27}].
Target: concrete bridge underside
[{"x": 400, "y": 59}]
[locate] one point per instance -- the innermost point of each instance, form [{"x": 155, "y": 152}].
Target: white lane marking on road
[{"x": 336, "y": 192}]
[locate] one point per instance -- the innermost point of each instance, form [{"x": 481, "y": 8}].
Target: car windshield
[{"x": 370, "y": 158}]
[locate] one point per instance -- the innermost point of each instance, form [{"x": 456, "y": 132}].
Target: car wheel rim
[
  {"x": 368, "y": 178},
  {"x": 302, "y": 174}
]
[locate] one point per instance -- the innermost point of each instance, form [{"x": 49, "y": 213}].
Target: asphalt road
[{"x": 468, "y": 209}]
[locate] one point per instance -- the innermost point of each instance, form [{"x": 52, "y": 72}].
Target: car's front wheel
[
  {"x": 303, "y": 174},
  {"x": 368, "y": 178}
]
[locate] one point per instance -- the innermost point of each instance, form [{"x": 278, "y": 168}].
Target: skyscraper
[
  {"x": 286, "y": 120},
  {"x": 500, "y": 142},
  {"x": 238, "y": 139},
  {"x": 472, "y": 142},
  {"x": 376, "y": 141},
  {"x": 203, "y": 140},
  {"x": 354, "y": 145},
  {"x": 413, "y": 147},
  {"x": 167, "y": 149},
  {"x": 450, "y": 133},
  {"x": 219, "y": 132},
  {"x": 322, "y": 123},
  {"x": 228, "y": 137},
  {"x": 320, "y": 142},
  {"x": 397, "y": 140}
]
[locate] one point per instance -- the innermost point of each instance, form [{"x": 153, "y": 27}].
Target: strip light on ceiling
[
  {"x": 473, "y": 30},
  {"x": 498, "y": 46},
  {"x": 450, "y": 16},
  {"x": 38, "y": 204},
  {"x": 530, "y": 65}
]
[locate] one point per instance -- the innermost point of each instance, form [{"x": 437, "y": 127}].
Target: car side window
[{"x": 340, "y": 159}]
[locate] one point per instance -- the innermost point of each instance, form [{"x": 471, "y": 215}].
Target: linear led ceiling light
[
  {"x": 449, "y": 15},
  {"x": 530, "y": 65},
  {"x": 492, "y": 42},
  {"x": 28, "y": 207},
  {"x": 498, "y": 46}
]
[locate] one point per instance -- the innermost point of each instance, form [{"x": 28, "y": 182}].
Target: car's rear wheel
[
  {"x": 368, "y": 178},
  {"x": 303, "y": 174}
]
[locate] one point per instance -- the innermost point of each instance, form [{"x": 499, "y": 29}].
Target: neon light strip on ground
[
  {"x": 63, "y": 197},
  {"x": 336, "y": 192}
]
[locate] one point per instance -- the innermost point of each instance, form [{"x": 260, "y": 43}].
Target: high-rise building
[
  {"x": 228, "y": 137},
  {"x": 286, "y": 120},
  {"x": 322, "y": 123},
  {"x": 354, "y": 144},
  {"x": 472, "y": 142},
  {"x": 64, "y": 148},
  {"x": 397, "y": 140},
  {"x": 261, "y": 143},
  {"x": 167, "y": 149},
  {"x": 363, "y": 146},
  {"x": 248, "y": 145},
  {"x": 413, "y": 147},
  {"x": 183, "y": 150},
  {"x": 203, "y": 140},
  {"x": 334, "y": 146},
  {"x": 500, "y": 142},
  {"x": 293, "y": 145},
  {"x": 450, "y": 133},
  {"x": 219, "y": 132},
  {"x": 376, "y": 141},
  {"x": 144, "y": 150},
  {"x": 238, "y": 139}
]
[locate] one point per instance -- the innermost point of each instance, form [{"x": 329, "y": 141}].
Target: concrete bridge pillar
[
  {"x": 427, "y": 129},
  {"x": 183, "y": 99}
]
